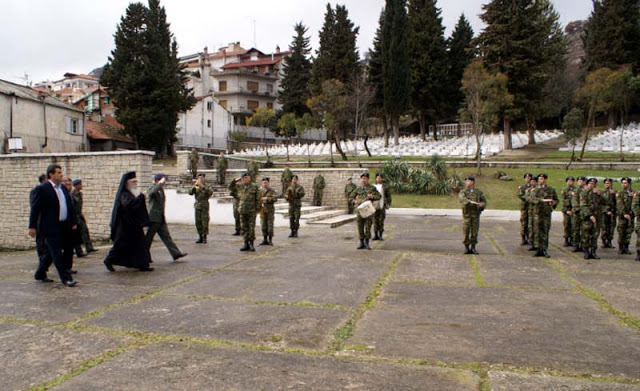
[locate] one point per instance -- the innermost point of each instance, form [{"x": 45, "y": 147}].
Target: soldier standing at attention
[
  {"x": 158, "y": 222},
  {"x": 294, "y": 195},
  {"x": 202, "y": 193},
  {"x": 268, "y": 198},
  {"x": 193, "y": 163},
  {"x": 248, "y": 208},
  {"x": 577, "y": 215},
  {"x": 473, "y": 203},
  {"x": 77, "y": 195},
  {"x": 531, "y": 212},
  {"x": 365, "y": 192},
  {"x": 223, "y": 164},
  {"x": 286, "y": 179},
  {"x": 348, "y": 195},
  {"x": 253, "y": 170},
  {"x": 524, "y": 209},
  {"x": 609, "y": 214},
  {"x": 624, "y": 210},
  {"x": 545, "y": 199},
  {"x": 318, "y": 188},
  {"x": 567, "y": 212},
  {"x": 381, "y": 213},
  {"x": 234, "y": 191},
  {"x": 591, "y": 208},
  {"x": 636, "y": 211}
]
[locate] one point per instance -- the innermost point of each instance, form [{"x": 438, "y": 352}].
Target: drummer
[{"x": 364, "y": 195}]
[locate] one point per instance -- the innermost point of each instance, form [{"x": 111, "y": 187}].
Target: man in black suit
[
  {"x": 41, "y": 247},
  {"x": 52, "y": 216}
]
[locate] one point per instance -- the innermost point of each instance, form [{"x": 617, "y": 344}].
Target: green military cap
[
  {"x": 594, "y": 180},
  {"x": 202, "y": 175},
  {"x": 528, "y": 175},
  {"x": 570, "y": 178},
  {"x": 379, "y": 174},
  {"x": 545, "y": 176},
  {"x": 626, "y": 179},
  {"x": 582, "y": 178},
  {"x": 470, "y": 178},
  {"x": 364, "y": 175},
  {"x": 246, "y": 173},
  {"x": 267, "y": 179},
  {"x": 608, "y": 180}
]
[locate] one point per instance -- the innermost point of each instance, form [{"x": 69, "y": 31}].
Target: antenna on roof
[
  {"x": 255, "y": 43},
  {"x": 25, "y": 79}
]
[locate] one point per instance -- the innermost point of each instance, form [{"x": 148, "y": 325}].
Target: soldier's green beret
[
  {"x": 582, "y": 178},
  {"x": 246, "y": 174},
  {"x": 528, "y": 175},
  {"x": 609, "y": 180},
  {"x": 266, "y": 179},
  {"x": 365, "y": 175},
  {"x": 202, "y": 175},
  {"x": 470, "y": 178},
  {"x": 545, "y": 176},
  {"x": 594, "y": 180},
  {"x": 570, "y": 178}
]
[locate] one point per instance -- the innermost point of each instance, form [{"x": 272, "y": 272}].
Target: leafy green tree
[
  {"x": 263, "y": 118},
  {"x": 461, "y": 53},
  {"x": 296, "y": 74},
  {"x": 428, "y": 63},
  {"x": 395, "y": 64},
  {"x": 145, "y": 78},
  {"x": 523, "y": 40},
  {"x": 572, "y": 130},
  {"x": 331, "y": 109},
  {"x": 612, "y": 35}
]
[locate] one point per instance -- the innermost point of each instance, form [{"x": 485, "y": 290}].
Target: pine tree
[
  {"x": 296, "y": 74},
  {"x": 429, "y": 79},
  {"x": 323, "y": 68},
  {"x": 395, "y": 64},
  {"x": 612, "y": 35},
  {"x": 374, "y": 77},
  {"x": 461, "y": 53},
  {"x": 145, "y": 77},
  {"x": 523, "y": 40}
]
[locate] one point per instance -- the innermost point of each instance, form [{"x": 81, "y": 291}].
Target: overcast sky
[{"x": 45, "y": 38}]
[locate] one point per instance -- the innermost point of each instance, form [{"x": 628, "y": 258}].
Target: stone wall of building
[{"x": 100, "y": 173}]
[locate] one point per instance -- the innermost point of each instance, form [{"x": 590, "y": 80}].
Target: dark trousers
[
  {"x": 163, "y": 231},
  {"x": 59, "y": 248}
]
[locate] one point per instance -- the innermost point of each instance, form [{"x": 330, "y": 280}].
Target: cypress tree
[
  {"x": 323, "y": 68},
  {"x": 395, "y": 63},
  {"x": 428, "y": 62},
  {"x": 296, "y": 74},
  {"x": 374, "y": 77},
  {"x": 461, "y": 53}
]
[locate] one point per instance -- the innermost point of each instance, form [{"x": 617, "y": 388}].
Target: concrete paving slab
[
  {"x": 195, "y": 367},
  {"x": 610, "y": 264},
  {"x": 530, "y": 328},
  {"x": 623, "y": 292},
  {"x": 290, "y": 326},
  {"x": 56, "y": 303},
  {"x": 520, "y": 272},
  {"x": 31, "y": 355},
  {"x": 507, "y": 381},
  {"x": 435, "y": 268}
]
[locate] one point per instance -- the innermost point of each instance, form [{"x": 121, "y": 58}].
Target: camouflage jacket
[
  {"x": 348, "y": 191},
  {"x": 575, "y": 200},
  {"x": 609, "y": 200},
  {"x": 635, "y": 205},
  {"x": 624, "y": 203},
  {"x": 249, "y": 199},
  {"x": 77, "y": 198},
  {"x": 271, "y": 196},
  {"x": 233, "y": 191},
  {"x": 202, "y": 195},
  {"x": 468, "y": 208},
  {"x": 522, "y": 191},
  {"x": 528, "y": 196},
  {"x": 566, "y": 195},
  {"x": 362, "y": 193},
  {"x": 318, "y": 183},
  {"x": 541, "y": 193},
  {"x": 590, "y": 204},
  {"x": 286, "y": 176},
  {"x": 223, "y": 164},
  {"x": 294, "y": 195}
]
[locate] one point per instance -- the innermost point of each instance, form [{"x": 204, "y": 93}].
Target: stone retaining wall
[{"x": 100, "y": 173}]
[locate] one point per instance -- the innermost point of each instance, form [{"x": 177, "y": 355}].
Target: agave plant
[
  {"x": 438, "y": 167},
  {"x": 421, "y": 181}
]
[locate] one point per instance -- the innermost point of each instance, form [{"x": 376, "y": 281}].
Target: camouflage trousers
[
  {"x": 222, "y": 176},
  {"x": 638, "y": 235},
  {"x": 567, "y": 222},
  {"x": 236, "y": 216},
  {"x": 590, "y": 233},
  {"x": 84, "y": 233},
  {"x": 202, "y": 220},
  {"x": 470, "y": 228},
  {"x": 378, "y": 220},
  {"x": 543, "y": 226},
  {"x": 576, "y": 223},
  {"x": 364, "y": 227},
  {"x": 625, "y": 231},
  {"x": 350, "y": 207},
  {"x": 294, "y": 216},
  {"x": 608, "y": 227},
  {"x": 524, "y": 222},
  {"x": 266, "y": 222},
  {"x": 248, "y": 223},
  {"x": 531, "y": 219},
  {"x": 317, "y": 197}
]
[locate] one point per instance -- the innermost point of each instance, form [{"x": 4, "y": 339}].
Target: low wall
[{"x": 100, "y": 173}]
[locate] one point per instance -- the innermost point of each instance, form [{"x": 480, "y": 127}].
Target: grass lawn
[
  {"x": 501, "y": 194},
  {"x": 588, "y": 156}
]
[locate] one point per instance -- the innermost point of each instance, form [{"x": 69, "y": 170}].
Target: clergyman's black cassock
[{"x": 128, "y": 217}]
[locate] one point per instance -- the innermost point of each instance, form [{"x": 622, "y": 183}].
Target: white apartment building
[
  {"x": 70, "y": 88},
  {"x": 229, "y": 86}
]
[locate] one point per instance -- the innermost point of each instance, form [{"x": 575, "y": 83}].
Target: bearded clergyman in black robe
[{"x": 128, "y": 217}]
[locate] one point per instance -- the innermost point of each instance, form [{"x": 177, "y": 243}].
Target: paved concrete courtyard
[{"x": 314, "y": 313}]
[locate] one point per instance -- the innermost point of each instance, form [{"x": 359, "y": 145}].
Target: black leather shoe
[
  {"x": 594, "y": 255},
  {"x": 251, "y": 248},
  {"x": 270, "y": 240},
  {"x": 45, "y": 279},
  {"x": 181, "y": 255},
  {"x": 295, "y": 233},
  {"x": 69, "y": 283},
  {"x": 109, "y": 266},
  {"x": 291, "y": 234},
  {"x": 467, "y": 249},
  {"x": 200, "y": 239},
  {"x": 147, "y": 269},
  {"x": 545, "y": 254},
  {"x": 265, "y": 241},
  {"x": 578, "y": 249},
  {"x": 380, "y": 235},
  {"x": 204, "y": 239},
  {"x": 73, "y": 271},
  {"x": 362, "y": 246},
  {"x": 375, "y": 237}
]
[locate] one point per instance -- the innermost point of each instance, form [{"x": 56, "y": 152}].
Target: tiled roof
[
  {"x": 8, "y": 88},
  {"x": 109, "y": 129}
]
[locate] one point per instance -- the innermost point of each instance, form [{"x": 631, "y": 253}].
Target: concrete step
[
  {"x": 334, "y": 221},
  {"x": 281, "y": 204},
  {"x": 224, "y": 200},
  {"x": 305, "y": 210},
  {"x": 323, "y": 215}
]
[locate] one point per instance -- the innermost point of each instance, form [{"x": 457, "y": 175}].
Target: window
[
  {"x": 270, "y": 88},
  {"x": 209, "y": 106},
  {"x": 253, "y": 86},
  {"x": 107, "y": 100},
  {"x": 270, "y": 105},
  {"x": 223, "y": 103},
  {"x": 208, "y": 123},
  {"x": 253, "y": 105},
  {"x": 222, "y": 86},
  {"x": 74, "y": 125}
]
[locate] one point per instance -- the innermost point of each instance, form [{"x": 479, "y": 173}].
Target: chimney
[{"x": 278, "y": 49}]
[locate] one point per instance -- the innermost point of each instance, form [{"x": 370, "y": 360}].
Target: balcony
[
  {"x": 247, "y": 92},
  {"x": 246, "y": 72}
]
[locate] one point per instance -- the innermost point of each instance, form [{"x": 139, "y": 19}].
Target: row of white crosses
[{"x": 627, "y": 137}]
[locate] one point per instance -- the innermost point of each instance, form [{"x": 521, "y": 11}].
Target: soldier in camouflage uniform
[
  {"x": 362, "y": 193},
  {"x": 381, "y": 213},
  {"x": 531, "y": 215},
  {"x": 624, "y": 210},
  {"x": 193, "y": 163},
  {"x": 223, "y": 164},
  {"x": 591, "y": 205},
  {"x": 473, "y": 204},
  {"x": 253, "y": 170},
  {"x": 635, "y": 205},
  {"x": 76, "y": 193},
  {"x": 268, "y": 198},
  {"x": 294, "y": 196},
  {"x": 318, "y": 188},
  {"x": 248, "y": 208},
  {"x": 576, "y": 221},
  {"x": 234, "y": 191},
  {"x": 524, "y": 209},
  {"x": 202, "y": 193},
  {"x": 286, "y": 179},
  {"x": 348, "y": 195},
  {"x": 609, "y": 214},
  {"x": 567, "y": 212},
  {"x": 545, "y": 200}
]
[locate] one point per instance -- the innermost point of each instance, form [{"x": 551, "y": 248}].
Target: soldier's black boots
[
  {"x": 237, "y": 233},
  {"x": 362, "y": 245},
  {"x": 200, "y": 239},
  {"x": 545, "y": 253},
  {"x": 204, "y": 238},
  {"x": 380, "y": 235},
  {"x": 292, "y": 233},
  {"x": 251, "y": 248},
  {"x": 295, "y": 233},
  {"x": 473, "y": 250},
  {"x": 524, "y": 241},
  {"x": 533, "y": 248},
  {"x": 587, "y": 253},
  {"x": 246, "y": 246},
  {"x": 578, "y": 249},
  {"x": 593, "y": 254},
  {"x": 638, "y": 256},
  {"x": 376, "y": 237},
  {"x": 265, "y": 241},
  {"x": 467, "y": 250},
  {"x": 270, "y": 240}
]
